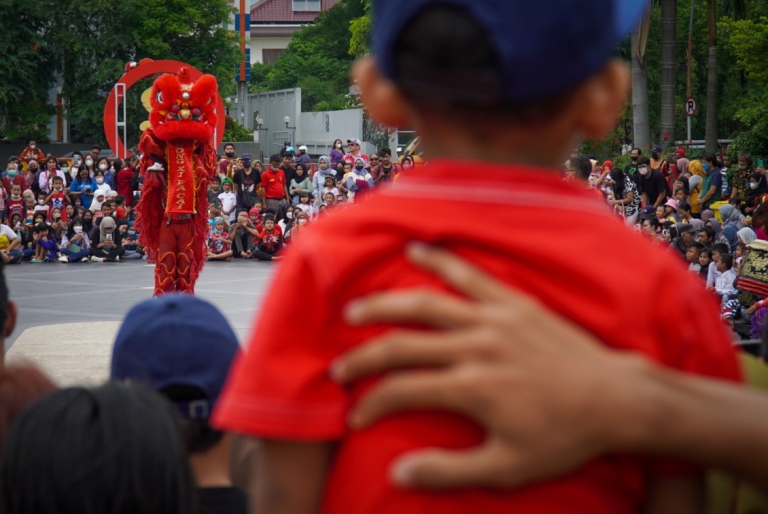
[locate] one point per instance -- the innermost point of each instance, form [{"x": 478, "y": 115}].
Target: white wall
[{"x": 270, "y": 43}]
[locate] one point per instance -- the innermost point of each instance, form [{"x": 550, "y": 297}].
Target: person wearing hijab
[
  {"x": 99, "y": 197},
  {"x": 359, "y": 181},
  {"x": 758, "y": 189},
  {"x": 107, "y": 245},
  {"x": 694, "y": 183},
  {"x": 731, "y": 225},
  {"x": 324, "y": 169},
  {"x": 746, "y": 236},
  {"x": 718, "y": 228}
]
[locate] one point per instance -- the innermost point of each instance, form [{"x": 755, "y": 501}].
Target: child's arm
[
  {"x": 680, "y": 495},
  {"x": 291, "y": 477}
]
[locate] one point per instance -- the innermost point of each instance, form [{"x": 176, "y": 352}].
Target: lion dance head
[{"x": 182, "y": 109}]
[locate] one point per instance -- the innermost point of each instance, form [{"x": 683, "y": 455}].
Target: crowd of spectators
[
  {"x": 707, "y": 211},
  {"x": 82, "y": 211}
]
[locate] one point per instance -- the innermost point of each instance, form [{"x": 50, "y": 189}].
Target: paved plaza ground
[{"x": 70, "y": 313}]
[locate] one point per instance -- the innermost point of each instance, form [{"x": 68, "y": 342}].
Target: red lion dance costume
[{"x": 178, "y": 159}]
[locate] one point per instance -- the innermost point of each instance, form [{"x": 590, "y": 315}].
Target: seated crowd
[
  {"x": 711, "y": 215},
  {"x": 85, "y": 212}
]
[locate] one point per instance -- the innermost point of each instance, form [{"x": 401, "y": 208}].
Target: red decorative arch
[{"x": 147, "y": 68}]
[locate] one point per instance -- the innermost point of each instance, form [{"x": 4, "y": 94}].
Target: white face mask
[
  {"x": 338, "y": 145},
  {"x": 289, "y": 215},
  {"x": 41, "y": 202},
  {"x": 103, "y": 167},
  {"x": 33, "y": 146},
  {"x": 302, "y": 221},
  {"x": 89, "y": 162},
  {"x": 643, "y": 171},
  {"x": 99, "y": 180},
  {"x": 753, "y": 185},
  {"x": 78, "y": 230}
]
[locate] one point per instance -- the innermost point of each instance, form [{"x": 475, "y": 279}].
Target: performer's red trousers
[{"x": 174, "y": 258}]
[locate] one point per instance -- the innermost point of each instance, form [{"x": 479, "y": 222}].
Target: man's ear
[
  {"x": 381, "y": 97},
  {"x": 602, "y": 100},
  {"x": 10, "y": 319}
]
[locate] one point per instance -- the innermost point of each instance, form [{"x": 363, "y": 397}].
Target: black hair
[
  {"x": 117, "y": 164},
  {"x": 444, "y": 59},
  {"x": 699, "y": 247},
  {"x": 275, "y": 158},
  {"x": 639, "y": 151},
  {"x": 197, "y": 434},
  {"x": 643, "y": 160},
  {"x": 709, "y": 231},
  {"x": 119, "y": 200},
  {"x": 40, "y": 227},
  {"x": 115, "y": 448},
  {"x": 653, "y": 222},
  {"x": 71, "y": 227},
  {"x": 735, "y": 200},
  {"x": 727, "y": 260},
  {"x": 582, "y": 166},
  {"x": 709, "y": 157},
  {"x": 386, "y": 151},
  {"x": 721, "y": 248},
  {"x": 217, "y": 179},
  {"x": 706, "y": 250},
  {"x": 618, "y": 178},
  {"x": 56, "y": 177},
  {"x": 686, "y": 185},
  {"x": 743, "y": 247},
  {"x": 229, "y": 144}
]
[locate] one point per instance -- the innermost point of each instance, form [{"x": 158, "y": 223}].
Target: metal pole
[{"x": 688, "y": 78}]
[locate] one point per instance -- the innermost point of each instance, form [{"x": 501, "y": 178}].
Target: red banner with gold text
[{"x": 181, "y": 178}]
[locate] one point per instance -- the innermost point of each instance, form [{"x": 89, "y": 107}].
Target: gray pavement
[{"x": 69, "y": 313}]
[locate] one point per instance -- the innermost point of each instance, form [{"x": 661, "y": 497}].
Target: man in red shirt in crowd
[
  {"x": 281, "y": 391},
  {"x": 274, "y": 190},
  {"x": 355, "y": 153}
]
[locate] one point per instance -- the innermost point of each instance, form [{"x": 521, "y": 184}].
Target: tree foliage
[
  {"x": 317, "y": 60},
  {"x": 94, "y": 39},
  {"x": 25, "y": 72}
]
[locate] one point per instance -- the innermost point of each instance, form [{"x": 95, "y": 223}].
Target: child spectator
[
  {"x": 692, "y": 256},
  {"x": 270, "y": 241},
  {"x": 713, "y": 274},
  {"x": 58, "y": 199},
  {"x": 15, "y": 204},
  {"x": 671, "y": 211},
  {"x": 219, "y": 244},
  {"x": 329, "y": 200},
  {"x": 120, "y": 213},
  {"x": 724, "y": 285},
  {"x": 46, "y": 249},
  {"x": 242, "y": 234},
  {"x": 30, "y": 211},
  {"x": 305, "y": 206},
  {"x": 329, "y": 187},
  {"x": 705, "y": 258},
  {"x": 301, "y": 183},
  {"x": 75, "y": 244},
  {"x": 254, "y": 215},
  {"x": 228, "y": 200},
  {"x": 494, "y": 124},
  {"x": 214, "y": 190},
  {"x": 42, "y": 206},
  {"x": 58, "y": 226}
]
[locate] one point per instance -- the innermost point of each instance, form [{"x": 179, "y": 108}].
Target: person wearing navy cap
[
  {"x": 525, "y": 81},
  {"x": 182, "y": 347}
]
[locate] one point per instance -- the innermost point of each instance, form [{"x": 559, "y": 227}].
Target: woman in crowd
[
  {"x": 90, "y": 165},
  {"x": 103, "y": 164},
  {"x": 301, "y": 183},
  {"x": 745, "y": 236},
  {"x": 337, "y": 152},
  {"x": 717, "y": 227},
  {"x": 83, "y": 187},
  {"x": 758, "y": 189},
  {"x": 100, "y": 177},
  {"x": 731, "y": 224},
  {"x": 46, "y": 175},
  {"x": 323, "y": 173},
  {"x": 626, "y": 198},
  {"x": 115, "y": 448},
  {"x": 75, "y": 244}
]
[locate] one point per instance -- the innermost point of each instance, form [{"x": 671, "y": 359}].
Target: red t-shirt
[
  {"x": 273, "y": 183},
  {"x": 534, "y": 232}
]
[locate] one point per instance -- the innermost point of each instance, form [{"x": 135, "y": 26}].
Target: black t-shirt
[
  {"x": 247, "y": 187},
  {"x": 223, "y": 500},
  {"x": 290, "y": 174},
  {"x": 653, "y": 184}
]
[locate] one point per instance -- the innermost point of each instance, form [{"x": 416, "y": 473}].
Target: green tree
[
  {"x": 25, "y": 72},
  {"x": 360, "y": 28},
  {"x": 317, "y": 60},
  {"x": 96, "y": 38}
]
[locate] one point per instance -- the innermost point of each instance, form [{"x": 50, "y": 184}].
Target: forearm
[
  {"x": 711, "y": 422},
  {"x": 291, "y": 477}
]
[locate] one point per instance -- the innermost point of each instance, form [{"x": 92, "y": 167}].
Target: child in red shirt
[
  {"x": 15, "y": 203},
  {"x": 58, "y": 199},
  {"x": 527, "y": 123}
]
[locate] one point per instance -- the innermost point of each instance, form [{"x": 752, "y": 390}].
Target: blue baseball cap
[
  {"x": 176, "y": 340},
  {"x": 545, "y": 47}
]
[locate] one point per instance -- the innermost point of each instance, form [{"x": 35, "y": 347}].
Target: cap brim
[{"x": 629, "y": 13}]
